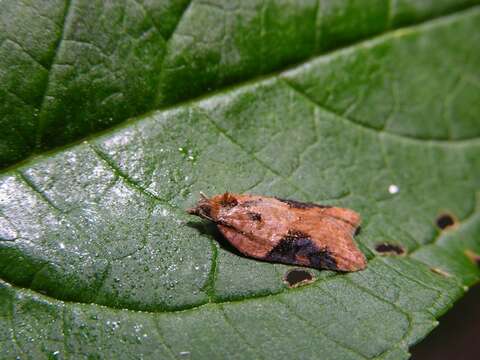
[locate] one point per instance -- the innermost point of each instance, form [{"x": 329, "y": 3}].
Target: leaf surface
[
  {"x": 99, "y": 259},
  {"x": 69, "y": 68}
]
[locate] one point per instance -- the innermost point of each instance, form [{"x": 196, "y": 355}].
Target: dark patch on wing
[
  {"x": 323, "y": 259},
  {"x": 301, "y": 205},
  {"x": 249, "y": 203},
  {"x": 297, "y": 243},
  {"x": 296, "y": 234},
  {"x": 254, "y": 216}
]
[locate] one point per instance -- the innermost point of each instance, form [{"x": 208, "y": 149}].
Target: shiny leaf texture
[
  {"x": 98, "y": 258},
  {"x": 73, "y": 67}
]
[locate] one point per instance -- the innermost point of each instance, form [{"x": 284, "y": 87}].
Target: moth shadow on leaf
[{"x": 210, "y": 229}]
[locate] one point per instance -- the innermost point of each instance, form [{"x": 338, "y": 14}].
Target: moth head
[
  {"x": 203, "y": 208},
  {"x": 215, "y": 208},
  {"x": 226, "y": 201}
]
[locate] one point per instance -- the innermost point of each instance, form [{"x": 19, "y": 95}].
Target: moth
[{"x": 286, "y": 231}]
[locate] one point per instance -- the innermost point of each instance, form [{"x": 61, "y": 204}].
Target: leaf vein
[
  {"x": 313, "y": 326},
  {"x": 41, "y": 117},
  {"x": 372, "y": 128}
]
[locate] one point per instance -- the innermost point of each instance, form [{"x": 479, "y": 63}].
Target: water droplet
[
  {"x": 393, "y": 189},
  {"x": 164, "y": 212},
  {"x": 189, "y": 154},
  {"x": 62, "y": 245}
]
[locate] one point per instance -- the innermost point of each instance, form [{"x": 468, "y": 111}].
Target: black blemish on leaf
[
  {"x": 301, "y": 205},
  {"x": 297, "y": 243},
  {"x": 254, "y": 216},
  {"x": 445, "y": 221},
  {"x": 389, "y": 249},
  {"x": 298, "y": 277},
  {"x": 358, "y": 230}
]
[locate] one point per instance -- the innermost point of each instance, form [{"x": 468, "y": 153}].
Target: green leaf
[
  {"x": 72, "y": 67},
  {"x": 98, "y": 258}
]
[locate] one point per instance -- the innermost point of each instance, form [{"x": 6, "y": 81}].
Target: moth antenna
[{"x": 203, "y": 196}]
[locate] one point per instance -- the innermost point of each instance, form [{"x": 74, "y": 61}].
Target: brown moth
[{"x": 286, "y": 231}]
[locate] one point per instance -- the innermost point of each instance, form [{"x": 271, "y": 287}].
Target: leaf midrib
[{"x": 366, "y": 41}]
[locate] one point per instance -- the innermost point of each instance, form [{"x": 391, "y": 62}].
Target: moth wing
[
  {"x": 333, "y": 238},
  {"x": 345, "y": 215},
  {"x": 243, "y": 243}
]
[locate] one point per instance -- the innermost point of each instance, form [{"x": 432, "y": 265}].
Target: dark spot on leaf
[
  {"x": 298, "y": 277},
  {"x": 445, "y": 221},
  {"x": 439, "y": 272},
  {"x": 358, "y": 230},
  {"x": 301, "y": 205},
  {"x": 254, "y": 216},
  {"x": 389, "y": 249}
]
